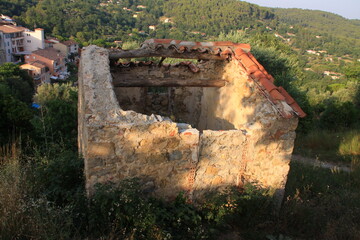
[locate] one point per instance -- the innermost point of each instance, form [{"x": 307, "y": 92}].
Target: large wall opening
[{"x": 203, "y": 94}]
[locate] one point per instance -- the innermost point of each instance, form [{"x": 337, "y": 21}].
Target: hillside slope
[{"x": 320, "y": 21}]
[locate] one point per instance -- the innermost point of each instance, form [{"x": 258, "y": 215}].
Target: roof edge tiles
[{"x": 239, "y": 52}]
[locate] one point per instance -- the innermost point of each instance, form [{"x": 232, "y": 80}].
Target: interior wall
[
  {"x": 131, "y": 98},
  {"x": 181, "y": 104},
  {"x": 229, "y": 107}
]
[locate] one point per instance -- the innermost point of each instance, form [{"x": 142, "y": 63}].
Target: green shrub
[
  {"x": 339, "y": 116},
  {"x": 241, "y": 210},
  {"x": 60, "y": 177},
  {"x": 122, "y": 212},
  {"x": 335, "y": 87},
  {"x": 125, "y": 212}
]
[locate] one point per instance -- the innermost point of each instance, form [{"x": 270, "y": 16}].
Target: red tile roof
[
  {"x": 11, "y": 29},
  {"x": 49, "y": 53},
  {"x": 240, "y": 53},
  {"x": 192, "y": 67},
  {"x": 38, "y": 64}
]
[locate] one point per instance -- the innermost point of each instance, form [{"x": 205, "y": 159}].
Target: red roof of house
[
  {"x": 240, "y": 53},
  {"x": 38, "y": 64},
  {"x": 11, "y": 29},
  {"x": 49, "y": 53}
]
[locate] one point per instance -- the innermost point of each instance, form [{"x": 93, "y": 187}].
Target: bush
[
  {"x": 241, "y": 211},
  {"x": 125, "y": 212},
  {"x": 56, "y": 121},
  {"x": 339, "y": 116}
]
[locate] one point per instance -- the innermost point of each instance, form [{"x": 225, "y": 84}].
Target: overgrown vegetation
[{"x": 319, "y": 204}]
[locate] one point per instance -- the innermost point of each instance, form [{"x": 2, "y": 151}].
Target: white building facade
[{"x": 17, "y": 41}]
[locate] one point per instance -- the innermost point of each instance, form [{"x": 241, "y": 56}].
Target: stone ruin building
[{"x": 186, "y": 127}]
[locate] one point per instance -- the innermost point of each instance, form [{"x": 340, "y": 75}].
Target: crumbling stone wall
[{"x": 242, "y": 138}]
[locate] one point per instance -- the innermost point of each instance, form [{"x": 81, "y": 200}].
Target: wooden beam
[
  {"x": 170, "y": 53},
  {"x": 168, "y": 82}
]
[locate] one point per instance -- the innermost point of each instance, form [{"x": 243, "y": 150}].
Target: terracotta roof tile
[
  {"x": 49, "y": 53},
  {"x": 38, "y": 64},
  {"x": 240, "y": 53},
  {"x": 11, "y": 29},
  {"x": 189, "y": 64},
  {"x": 289, "y": 100}
]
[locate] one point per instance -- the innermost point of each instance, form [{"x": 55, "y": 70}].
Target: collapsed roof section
[{"x": 221, "y": 50}]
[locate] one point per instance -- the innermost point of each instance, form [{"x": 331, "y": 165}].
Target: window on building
[
  {"x": 8, "y": 44},
  {"x": 28, "y": 35},
  {"x": 29, "y": 41},
  {"x": 8, "y": 50}
]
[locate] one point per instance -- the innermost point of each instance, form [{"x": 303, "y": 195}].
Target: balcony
[{"x": 17, "y": 38}]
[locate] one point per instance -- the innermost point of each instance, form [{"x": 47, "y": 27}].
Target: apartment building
[{"x": 18, "y": 41}]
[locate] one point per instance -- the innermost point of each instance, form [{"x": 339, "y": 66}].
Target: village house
[
  {"x": 68, "y": 48},
  {"x": 51, "y": 58},
  {"x": 165, "y": 20},
  {"x": 152, "y": 27},
  {"x": 38, "y": 71},
  {"x": 333, "y": 75},
  {"x": 6, "y": 20},
  {"x": 19, "y": 41},
  {"x": 312, "y": 52},
  {"x": 48, "y": 43}
]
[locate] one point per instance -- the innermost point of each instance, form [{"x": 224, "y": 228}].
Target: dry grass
[
  {"x": 24, "y": 215},
  {"x": 329, "y": 146}
]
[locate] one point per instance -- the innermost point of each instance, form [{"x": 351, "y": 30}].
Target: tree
[
  {"x": 16, "y": 91},
  {"x": 56, "y": 121}
]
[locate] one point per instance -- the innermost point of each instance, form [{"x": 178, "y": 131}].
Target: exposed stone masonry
[{"x": 239, "y": 136}]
